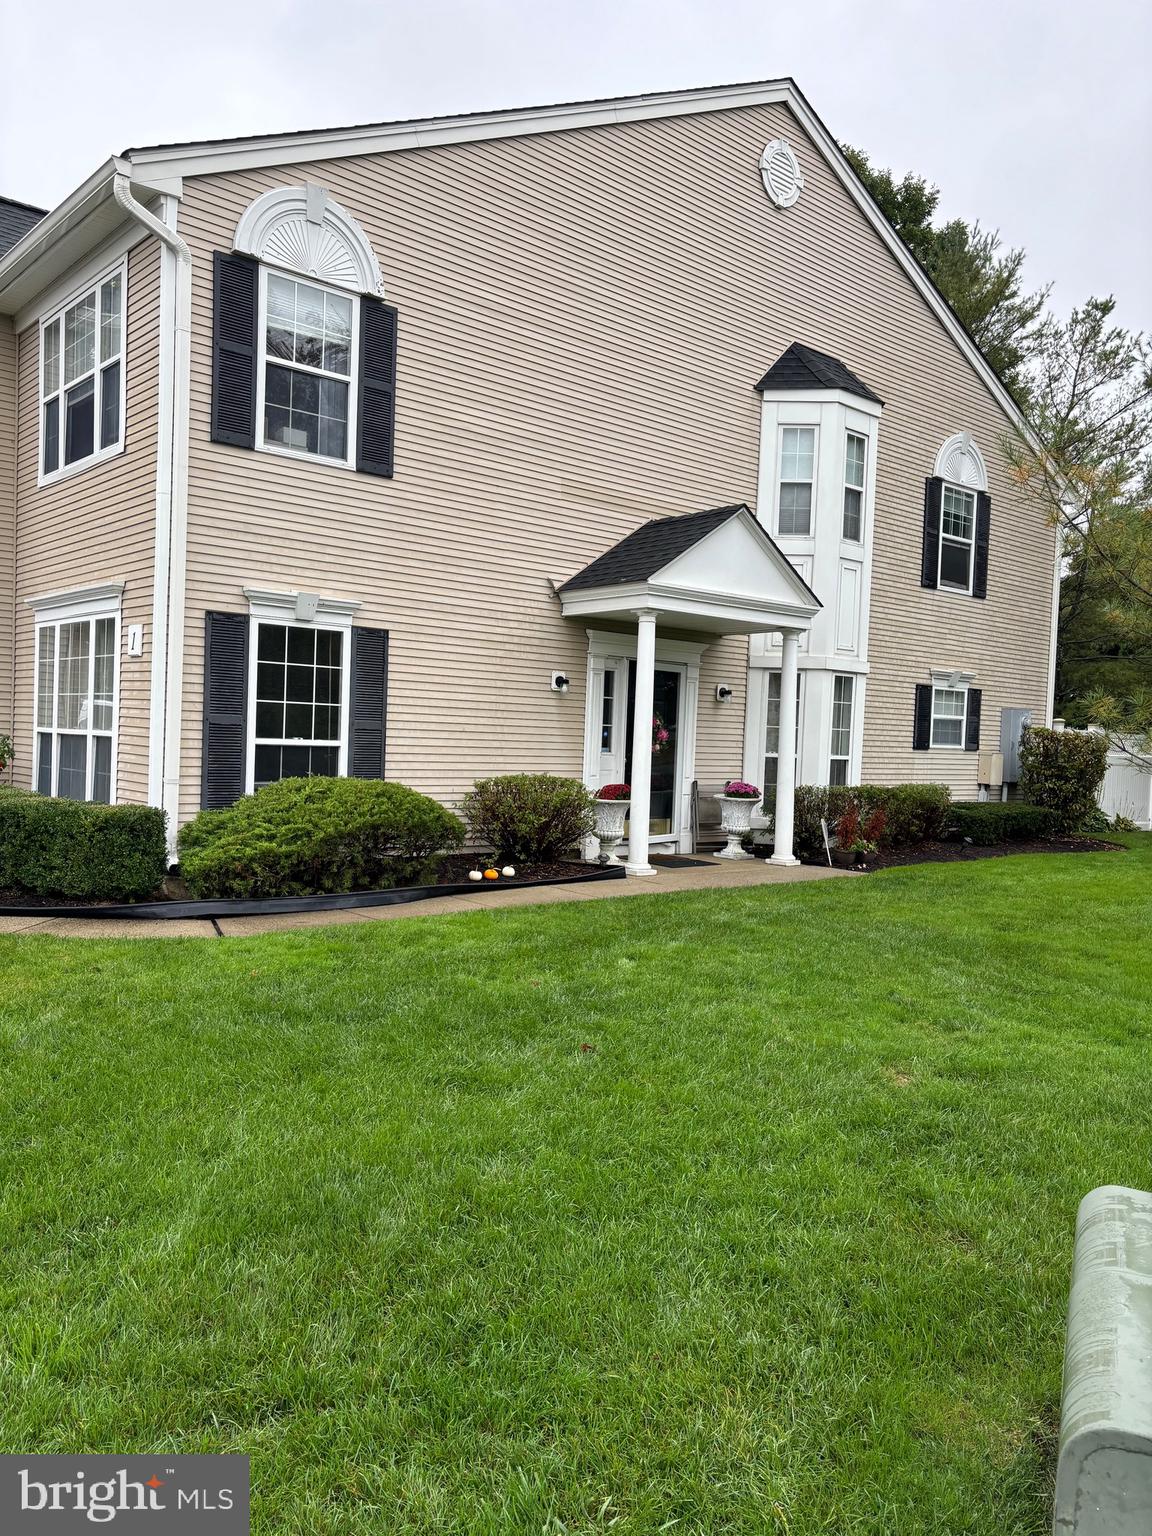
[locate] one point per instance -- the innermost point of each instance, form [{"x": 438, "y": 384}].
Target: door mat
[{"x": 678, "y": 861}]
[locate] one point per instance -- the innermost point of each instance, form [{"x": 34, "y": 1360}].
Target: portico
[{"x": 710, "y": 574}]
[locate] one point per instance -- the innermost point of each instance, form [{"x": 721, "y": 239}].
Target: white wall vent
[{"x": 780, "y": 173}]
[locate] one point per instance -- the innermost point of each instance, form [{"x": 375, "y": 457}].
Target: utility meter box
[{"x": 1012, "y": 723}]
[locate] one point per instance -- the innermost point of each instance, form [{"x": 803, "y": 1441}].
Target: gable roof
[
  {"x": 641, "y": 555},
  {"x": 16, "y": 219},
  {"x": 161, "y": 168},
  {"x": 801, "y": 367}
]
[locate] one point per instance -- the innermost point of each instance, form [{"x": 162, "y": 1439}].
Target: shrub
[
  {"x": 302, "y": 837},
  {"x": 988, "y": 822},
  {"x": 913, "y": 813},
  {"x": 529, "y": 818},
  {"x": 1063, "y": 771},
  {"x": 74, "y": 848}
]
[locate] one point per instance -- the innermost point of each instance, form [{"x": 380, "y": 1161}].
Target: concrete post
[
  {"x": 786, "y": 760},
  {"x": 640, "y": 815}
]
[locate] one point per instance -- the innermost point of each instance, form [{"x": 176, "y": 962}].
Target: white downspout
[{"x": 170, "y": 569}]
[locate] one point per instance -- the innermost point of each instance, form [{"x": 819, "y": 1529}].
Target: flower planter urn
[
  {"x": 610, "y": 818},
  {"x": 736, "y": 820}
]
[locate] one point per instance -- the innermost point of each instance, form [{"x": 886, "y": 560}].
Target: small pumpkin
[
  {"x": 475, "y": 874},
  {"x": 508, "y": 872},
  {"x": 491, "y": 874}
]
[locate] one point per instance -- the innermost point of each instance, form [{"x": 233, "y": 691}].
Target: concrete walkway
[{"x": 716, "y": 875}]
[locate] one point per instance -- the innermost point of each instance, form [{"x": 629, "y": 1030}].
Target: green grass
[{"x": 785, "y": 1250}]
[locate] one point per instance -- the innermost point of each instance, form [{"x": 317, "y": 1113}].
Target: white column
[
  {"x": 640, "y": 815},
  {"x": 786, "y": 761}
]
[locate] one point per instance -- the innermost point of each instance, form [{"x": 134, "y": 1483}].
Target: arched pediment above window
[
  {"x": 961, "y": 462},
  {"x": 303, "y": 230}
]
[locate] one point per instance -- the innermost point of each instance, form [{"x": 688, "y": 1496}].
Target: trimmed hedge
[
  {"x": 73, "y": 848},
  {"x": 304, "y": 837},
  {"x": 988, "y": 822},
  {"x": 913, "y": 813},
  {"x": 1063, "y": 771},
  {"x": 529, "y": 818}
]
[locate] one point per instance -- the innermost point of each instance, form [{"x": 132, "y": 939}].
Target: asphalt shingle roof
[
  {"x": 802, "y": 367},
  {"x": 641, "y": 554},
  {"x": 16, "y": 219}
]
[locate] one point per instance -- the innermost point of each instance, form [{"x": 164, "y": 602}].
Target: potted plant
[
  {"x": 737, "y": 803},
  {"x": 856, "y": 843},
  {"x": 612, "y": 802}
]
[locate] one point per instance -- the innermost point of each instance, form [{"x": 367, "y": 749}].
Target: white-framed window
[
  {"x": 843, "y": 692},
  {"x": 855, "y": 451},
  {"x": 608, "y": 711},
  {"x": 797, "y": 472},
  {"x": 306, "y": 382},
  {"x": 949, "y": 715},
  {"x": 82, "y": 378},
  {"x": 77, "y": 665},
  {"x": 772, "y": 734},
  {"x": 957, "y": 537},
  {"x": 299, "y": 702}
]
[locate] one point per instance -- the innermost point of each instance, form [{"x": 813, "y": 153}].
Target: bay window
[
  {"x": 76, "y": 708},
  {"x": 82, "y": 379},
  {"x": 306, "y": 379},
  {"x": 843, "y": 688},
  {"x": 797, "y": 468},
  {"x": 853, "y": 524}
]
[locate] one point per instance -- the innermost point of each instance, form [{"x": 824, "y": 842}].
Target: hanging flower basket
[{"x": 737, "y": 803}]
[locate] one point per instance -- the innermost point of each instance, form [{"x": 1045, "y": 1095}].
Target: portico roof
[{"x": 717, "y": 571}]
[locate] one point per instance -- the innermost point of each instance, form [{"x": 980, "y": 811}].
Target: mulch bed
[
  {"x": 959, "y": 853},
  {"x": 457, "y": 867}
]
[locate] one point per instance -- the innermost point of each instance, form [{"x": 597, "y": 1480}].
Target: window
[
  {"x": 842, "y": 692},
  {"x": 854, "y": 487},
  {"x": 76, "y": 708},
  {"x": 772, "y": 737},
  {"x": 608, "y": 711},
  {"x": 797, "y": 457},
  {"x": 308, "y": 368},
  {"x": 82, "y": 379},
  {"x": 298, "y": 703},
  {"x": 957, "y": 528},
  {"x": 949, "y": 708}
]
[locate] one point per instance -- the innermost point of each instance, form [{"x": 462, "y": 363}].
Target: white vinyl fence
[{"x": 1127, "y": 789}]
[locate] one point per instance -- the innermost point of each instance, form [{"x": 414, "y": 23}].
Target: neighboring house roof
[
  {"x": 802, "y": 367},
  {"x": 641, "y": 555},
  {"x": 16, "y": 219}
]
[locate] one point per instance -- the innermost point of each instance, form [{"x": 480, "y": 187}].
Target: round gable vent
[{"x": 780, "y": 173}]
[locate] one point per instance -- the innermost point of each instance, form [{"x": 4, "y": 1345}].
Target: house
[{"x": 509, "y": 441}]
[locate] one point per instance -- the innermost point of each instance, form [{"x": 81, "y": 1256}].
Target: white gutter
[{"x": 171, "y": 558}]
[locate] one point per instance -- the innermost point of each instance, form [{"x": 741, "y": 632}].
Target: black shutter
[
  {"x": 980, "y": 568},
  {"x": 972, "y": 727},
  {"x": 234, "y": 347},
  {"x": 376, "y": 439},
  {"x": 922, "y": 721},
  {"x": 369, "y": 703},
  {"x": 225, "y": 709},
  {"x": 930, "y": 558}
]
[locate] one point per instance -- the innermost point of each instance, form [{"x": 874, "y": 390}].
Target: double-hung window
[
  {"x": 308, "y": 369},
  {"x": 843, "y": 687},
  {"x": 82, "y": 379},
  {"x": 957, "y": 537},
  {"x": 853, "y": 527},
  {"x": 772, "y": 737},
  {"x": 76, "y": 708},
  {"x": 949, "y": 711},
  {"x": 797, "y": 468},
  {"x": 300, "y": 703}
]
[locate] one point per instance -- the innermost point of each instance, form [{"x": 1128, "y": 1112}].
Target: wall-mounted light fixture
[
  {"x": 559, "y": 682},
  {"x": 723, "y": 693}
]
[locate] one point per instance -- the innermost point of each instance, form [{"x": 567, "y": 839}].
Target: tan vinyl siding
[
  {"x": 7, "y": 520},
  {"x": 95, "y": 526},
  {"x": 582, "y": 319}
]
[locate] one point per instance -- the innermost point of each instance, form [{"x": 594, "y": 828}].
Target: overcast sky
[{"x": 1032, "y": 115}]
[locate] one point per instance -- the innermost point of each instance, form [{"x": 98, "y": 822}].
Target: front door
[{"x": 665, "y": 822}]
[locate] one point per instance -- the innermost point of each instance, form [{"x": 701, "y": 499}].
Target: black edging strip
[{"x": 171, "y": 911}]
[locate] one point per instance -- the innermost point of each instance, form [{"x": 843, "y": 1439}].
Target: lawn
[{"x": 741, "y": 1212}]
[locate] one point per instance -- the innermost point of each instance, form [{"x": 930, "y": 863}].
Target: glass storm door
[{"x": 665, "y": 748}]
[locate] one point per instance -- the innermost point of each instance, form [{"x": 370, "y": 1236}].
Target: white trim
[
  {"x": 101, "y": 600},
  {"x": 277, "y": 616},
  {"x": 1054, "y": 631},
  {"x": 304, "y": 231},
  {"x": 811, "y": 482},
  {"x": 970, "y": 542},
  {"x": 949, "y": 686},
  {"x": 607, "y": 642},
  {"x": 277, "y": 606},
  {"x": 961, "y": 463},
  {"x": 101, "y": 603},
  {"x": 351, "y": 380},
  {"x": 119, "y": 268},
  {"x": 80, "y": 278}
]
